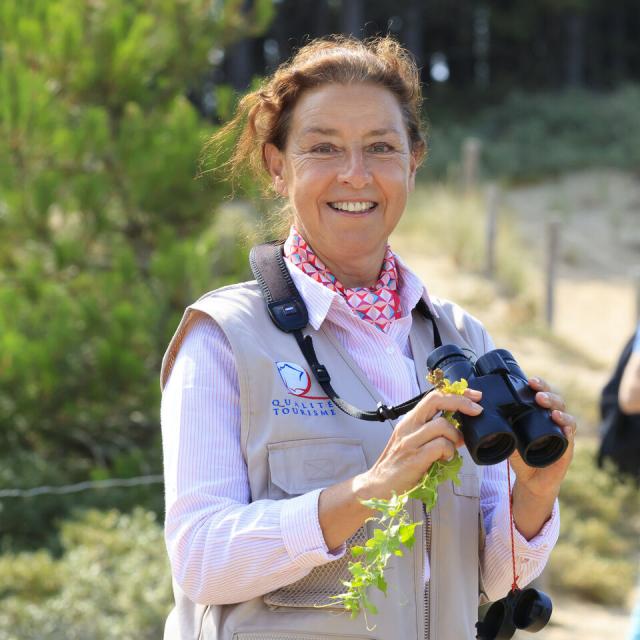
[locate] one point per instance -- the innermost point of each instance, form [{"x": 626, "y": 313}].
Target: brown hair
[{"x": 263, "y": 116}]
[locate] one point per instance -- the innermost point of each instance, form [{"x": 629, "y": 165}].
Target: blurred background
[{"x": 527, "y": 213}]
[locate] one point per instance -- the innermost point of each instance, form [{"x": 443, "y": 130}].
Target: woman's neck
[{"x": 354, "y": 271}]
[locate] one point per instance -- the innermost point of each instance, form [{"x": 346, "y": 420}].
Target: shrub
[
  {"x": 595, "y": 557},
  {"x": 111, "y": 582},
  {"x": 529, "y": 136}
]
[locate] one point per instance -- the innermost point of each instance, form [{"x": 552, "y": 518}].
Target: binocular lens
[
  {"x": 495, "y": 448},
  {"x": 529, "y": 610},
  {"x": 544, "y": 450},
  {"x": 532, "y": 610}
]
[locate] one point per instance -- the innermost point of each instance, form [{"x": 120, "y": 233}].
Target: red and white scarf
[{"x": 379, "y": 304}]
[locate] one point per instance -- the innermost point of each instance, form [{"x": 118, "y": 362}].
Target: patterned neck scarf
[{"x": 379, "y": 304}]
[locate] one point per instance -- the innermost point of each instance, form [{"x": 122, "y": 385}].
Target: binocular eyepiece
[
  {"x": 527, "y": 609},
  {"x": 510, "y": 418}
]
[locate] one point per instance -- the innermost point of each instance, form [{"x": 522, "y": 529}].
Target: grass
[
  {"x": 596, "y": 556},
  {"x": 446, "y": 221}
]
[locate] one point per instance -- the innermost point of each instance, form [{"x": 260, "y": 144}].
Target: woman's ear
[{"x": 274, "y": 159}]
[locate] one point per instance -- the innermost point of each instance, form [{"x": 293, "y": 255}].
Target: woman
[{"x": 264, "y": 476}]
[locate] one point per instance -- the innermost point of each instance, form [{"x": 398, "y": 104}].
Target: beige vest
[{"x": 295, "y": 444}]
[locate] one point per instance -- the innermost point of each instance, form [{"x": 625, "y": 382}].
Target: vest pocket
[
  {"x": 469, "y": 486},
  {"x": 299, "y": 466}
]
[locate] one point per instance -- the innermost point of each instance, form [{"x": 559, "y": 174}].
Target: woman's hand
[
  {"x": 419, "y": 439},
  {"x": 536, "y": 489}
]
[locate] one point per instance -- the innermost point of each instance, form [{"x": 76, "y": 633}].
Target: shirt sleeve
[
  {"x": 531, "y": 556},
  {"x": 222, "y": 547}
]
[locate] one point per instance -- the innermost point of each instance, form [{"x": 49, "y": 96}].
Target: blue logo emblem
[{"x": 296, "y": 380}]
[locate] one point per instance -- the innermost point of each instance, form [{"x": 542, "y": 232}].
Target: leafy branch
[{"x": 394, "y": 528}]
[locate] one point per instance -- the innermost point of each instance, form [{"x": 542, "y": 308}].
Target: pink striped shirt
[{"x": 224, "y": 548}]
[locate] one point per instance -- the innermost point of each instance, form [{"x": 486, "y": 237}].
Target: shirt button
[{"x": 390, "y": 350}]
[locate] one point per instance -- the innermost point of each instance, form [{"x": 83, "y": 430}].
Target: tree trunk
[
  {"x": 575, "y": 49},
  {"x": 414, "y": 29},
  {"x": 481, "y": 41},
  {"x": 618, "y": 45},
  {"x": 352, "y": 17},
  {"x": 239, "y": 63},
  {"x": 320, "y": 18}
]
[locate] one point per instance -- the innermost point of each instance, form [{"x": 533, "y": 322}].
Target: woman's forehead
[{"x": 337, "y": 109}]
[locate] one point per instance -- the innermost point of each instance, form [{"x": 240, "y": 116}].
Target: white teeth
[{"x": 353, "y": 206}]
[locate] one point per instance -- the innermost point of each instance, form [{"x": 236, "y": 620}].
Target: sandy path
[{"x": 573, "y": 620}]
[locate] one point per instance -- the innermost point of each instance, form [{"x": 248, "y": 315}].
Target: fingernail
[
  {"x": 535, "y": 380},
  {"x": 476, "y": 406},
  {"x": 544, "y": 398}
]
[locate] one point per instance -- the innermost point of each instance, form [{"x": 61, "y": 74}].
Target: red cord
[{"x": 514, "y": 584}]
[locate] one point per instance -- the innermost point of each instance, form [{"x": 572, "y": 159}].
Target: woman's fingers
[
  {"x": 566, "y": 421},
  {"x": 550, "y": 400},
  {"x": 474, "y": 394},
  {"x": 539, "y": 384},
  {"x": 436, "y": 401},
  {"x": 437, "y": 428},
  {"x": 438, "y": 449}
]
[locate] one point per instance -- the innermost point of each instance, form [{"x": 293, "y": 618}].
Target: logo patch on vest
[{"x": 297, "y": 382}]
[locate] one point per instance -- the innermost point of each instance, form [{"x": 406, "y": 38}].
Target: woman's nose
[{"x": 355, "y": 171}]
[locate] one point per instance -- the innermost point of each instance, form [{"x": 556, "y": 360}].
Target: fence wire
[{"x": 81, "y": 486}]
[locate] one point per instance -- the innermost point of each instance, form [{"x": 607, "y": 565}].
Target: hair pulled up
[{"x": 264, "y": 115}]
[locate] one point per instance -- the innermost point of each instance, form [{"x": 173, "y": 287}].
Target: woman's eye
[
  {"x": 323, "y": 148},
  {"x": 381, "y": 147}
]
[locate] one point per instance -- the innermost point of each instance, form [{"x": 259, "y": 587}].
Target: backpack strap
[{"x": 288, "y": 312}]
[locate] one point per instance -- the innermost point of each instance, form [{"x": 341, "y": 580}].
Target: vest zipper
[{"x": 427, "y": 590}]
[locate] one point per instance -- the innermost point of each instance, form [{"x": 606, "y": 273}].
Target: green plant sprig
[{"x": 394, "y": 528}]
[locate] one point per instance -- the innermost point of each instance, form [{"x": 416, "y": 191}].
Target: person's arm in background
[{"x": 629, "y": 392}]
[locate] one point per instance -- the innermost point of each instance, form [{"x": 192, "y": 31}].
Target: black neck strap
[{"x": 289, "y": 313}]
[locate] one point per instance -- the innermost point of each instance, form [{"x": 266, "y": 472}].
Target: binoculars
[
  {"x": 510, "y": 418},
  {"x": 528, "y": 610}
]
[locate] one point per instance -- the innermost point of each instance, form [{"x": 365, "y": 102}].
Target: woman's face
[{"x": 347, "y": 170}]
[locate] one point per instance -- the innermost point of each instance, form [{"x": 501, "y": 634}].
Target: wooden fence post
[
  {"x": 553, "y": 246},
  {"x": 470, "y": 163},
  {"x": 492, "y": 228}
]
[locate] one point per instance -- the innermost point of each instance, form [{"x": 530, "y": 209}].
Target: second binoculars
[{"x": 511, "y": 418}]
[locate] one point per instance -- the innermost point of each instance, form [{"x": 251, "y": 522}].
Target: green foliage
[
  {"x": 529, "y": 136},
  {"x": 105, "y": 233},
  {"x": 111, "y": 581},
  {"x": 595, "y": 557},
  {"x": 393, "y": 527}
]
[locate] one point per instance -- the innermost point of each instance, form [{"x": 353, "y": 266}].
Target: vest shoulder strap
[{"x": 286, "y": 308}]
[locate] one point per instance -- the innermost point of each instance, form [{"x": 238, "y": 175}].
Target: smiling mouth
[{"x": 354, "y": 207}]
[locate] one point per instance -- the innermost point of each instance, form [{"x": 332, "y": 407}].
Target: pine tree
[{"x": 105, "y": 234}]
